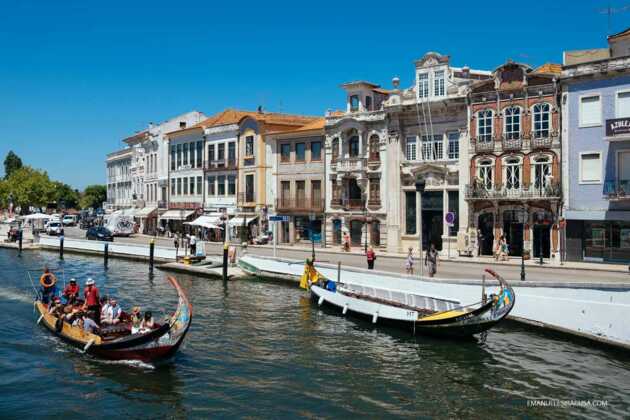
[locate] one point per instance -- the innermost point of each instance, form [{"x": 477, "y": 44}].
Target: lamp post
[
  {"x": 365, "y": 212},
  {"x": 524, "y": 221},
  {"x": 420, "y": 184}
]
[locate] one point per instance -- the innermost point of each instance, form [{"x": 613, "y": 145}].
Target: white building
[{"x": 119, "y": 186}]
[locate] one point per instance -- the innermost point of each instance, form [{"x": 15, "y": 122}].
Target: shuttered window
[
  {"x": 590, "y": 167},
  {"x": 623, "y": 105},
  {"x": 590, "y": 110}
]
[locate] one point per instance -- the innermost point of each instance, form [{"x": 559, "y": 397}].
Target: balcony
[
  {"x": 245, "y": 200},
  {"x": 486, "y": 145},
  {"x": 478, "y": 192},
  {"x": 300, "y": 204},
  {"x": 617, "y": 190},
  {"x": 374, "y": 160},
  {"x": 219, "y": 165},
  {"x": 353, "y": 204},
  {"x": 353, "y": 164},
  {"x": 541, "y": 142},
  {"x": 512, "y": 144}
]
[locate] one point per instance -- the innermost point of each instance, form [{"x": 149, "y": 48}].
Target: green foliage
[
  {"x": 28, "y": 187},
  {"x": 94, "y": 196},
  {"x": 66, "y": 196},
  {"x": 11, "y": 164}
]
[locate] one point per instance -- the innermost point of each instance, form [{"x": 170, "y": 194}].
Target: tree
[
  {"x": 94, "y": 196},
  {"x": 11, "y": 163},
  {"x": 64, "y": 194},
  {"x": 28, "y": 187}
]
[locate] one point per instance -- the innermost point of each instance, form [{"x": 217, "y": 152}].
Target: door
[
  {"x": 486, "y": 233},
  {"x": 356, "y": 229},
  {"x": 513, "y": 231},
  {"x": 336, "y": 231},
  {"x": 542, "y": 240}
]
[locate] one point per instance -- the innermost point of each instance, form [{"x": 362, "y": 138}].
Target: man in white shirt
[
  {"x": 112, "y": 313},
  {"x": 193, "y": 245}
]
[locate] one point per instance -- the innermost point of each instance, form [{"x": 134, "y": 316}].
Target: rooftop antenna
[{"x": 611, "y": 11}]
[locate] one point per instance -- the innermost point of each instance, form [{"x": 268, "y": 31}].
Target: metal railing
[
  {"x": 353, "y": 203},
  {"x": 300, "y": 204},
  {"x": 617, "y": 189},
  {"x": 541, "y": 142},
  {"x": 512, "y": 144},
  {"x": 219, "y": 165},
  {"x": 480, "y": 192},
  {"x": 484, "y": 145},
  {"x": 351, "y": 164}
]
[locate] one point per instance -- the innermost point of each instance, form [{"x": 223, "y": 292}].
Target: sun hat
[
  {"x": 73, "y": 280},
  {"x": 89, "y": 281}
]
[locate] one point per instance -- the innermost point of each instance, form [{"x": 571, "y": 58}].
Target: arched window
[
  {"x": 374, "y": 146},
  {"x": 541, "y": 120},
  {"x": 353, "y": 146},
  {"x": 541, "y": 172},
  {"x": 512, "y": 118},
  {"x": 335, "y": 149},
  {"x": 485, "y": 173},
  {"x": 513, "y": 171},
  {"x": 484, "y": 125}
]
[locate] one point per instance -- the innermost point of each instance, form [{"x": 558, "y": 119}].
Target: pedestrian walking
[
  {"x": 501, "y": 251},
  {"x": 409, "y": 262},
  {"x": 371, "y": 257},
  {"x": 346, "y": 241},
  {"x": 430, "y": 260}
]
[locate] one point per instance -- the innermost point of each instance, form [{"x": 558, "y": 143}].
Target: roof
[
  {"x": 317, "y": 124},
  {"x": 549, "y": 68},
  {"x": 360, "y": 82},
  {"x": 141, "y": 135},
  {"x": 620, "y": 34},
  {"x": 572, "y": 58},
  {"x": 383, "y": 91},
  {"x": 234, "y": 116}
]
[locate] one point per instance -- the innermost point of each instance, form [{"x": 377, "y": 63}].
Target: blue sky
[{"x": 76, "y": 77}]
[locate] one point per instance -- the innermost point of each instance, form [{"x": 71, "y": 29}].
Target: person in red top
[
  {"x": 92, "y": 301},
  {"x": 71, "y": 292},
  {"x": 371, "y": 257}
]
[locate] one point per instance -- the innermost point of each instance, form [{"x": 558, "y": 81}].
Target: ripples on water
[{"x": 263, "y": 349}]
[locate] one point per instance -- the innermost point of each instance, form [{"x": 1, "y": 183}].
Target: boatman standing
[
  {"x": 48, "y": 282},
  {"x": 92, "y": 302},
  {"x": 71, "y": 292}
]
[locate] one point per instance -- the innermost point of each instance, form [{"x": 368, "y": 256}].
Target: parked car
[
  {"x": 99, "y": 233},
  {"x": 69, "y": 220},
  {"x": 87, "y": 222},
  {"x": 54, "y": 228}
]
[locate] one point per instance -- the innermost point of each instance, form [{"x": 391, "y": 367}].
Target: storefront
[
  {"x": 172, "y": 221},
  {"x": 598, "y": 241}
]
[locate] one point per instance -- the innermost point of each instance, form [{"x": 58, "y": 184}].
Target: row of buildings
[{"x": 540, "y": 156}]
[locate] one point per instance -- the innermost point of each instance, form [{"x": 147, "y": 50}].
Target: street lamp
[
  {"x": 524, "y": 221},
  {"x": 420, "y": 184},
  {"x": 365, "y": 212}
]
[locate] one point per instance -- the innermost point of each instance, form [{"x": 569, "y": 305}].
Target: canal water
[{"x": 263, "y": 349}]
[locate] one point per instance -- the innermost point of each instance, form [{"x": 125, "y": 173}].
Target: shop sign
[{"x": 618, "y": 127}]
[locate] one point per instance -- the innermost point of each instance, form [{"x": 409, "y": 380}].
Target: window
[
  {"x": 484, "y": 125},
  {"x": 411, "y": 148},
  {"x": 179, "y": 155},
  {"x": 354, "y": 103},
  {"x": 285, "y": 193},
  {"x": 231, "y": 184},
  {"x": 300, "y": 152},
  {"x": 179, "y": 186},
  {"x": 316, "y": 151},
  {"x": 590, "y": 168},
  {"x": 438, "y": 83},
  {"x": 512, "y": 174},
  {"x": 374, "y": 148},
  {"x": 221, "y": 185},
  {"x": 199, "y": 187},
  {"x": 432, "y": 147},
  {"x": 453, "y": 206},
  {"x": 249, "y": 146},
  {"x": 211, "y": 153},
  {"x": 375, "y": 190},
  {"x": 541, "y": 172},
  {"x": 199, "y": 154},
  {"x": 221, "y": 151},
  {"x": 453, "y": 145},
  {"x": 410, "y": 212},
  {"x": 185, "y": 160},
  {"x": 285, "y": 152},
  {"x": 335, "y": 149},
  {"x": 541, "y": 119},
  {"x": 173, "y": 157},
  {"x": 211, "y": 186},
  {"x": 317, "y": 200},
  {"x": 231, "y": 153},
  {"x": 622, "y": 108},
  {"x": 423, "y": 85},
  {"x": 300, "y": 192},
  {"x": 590, "y": 111},
  {"x": 353, "y": 146},
  {"x": 191, "y": 180},
  {"x": 512, "y": 116},
  {"x": 368, "y": 103},
  {"x": 173, "y": 186},
  {"x": 249, "y": 188},
  {"x": 485, "y": 174}
]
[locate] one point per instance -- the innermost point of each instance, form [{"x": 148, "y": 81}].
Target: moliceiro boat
[
  {"x": 118, "y": 342},
  {"x": 422, "y": 314}
]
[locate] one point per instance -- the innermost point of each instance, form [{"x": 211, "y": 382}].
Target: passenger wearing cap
[
  {"x": 71, "y": 292},
  {"x": 92, "y": 302}
]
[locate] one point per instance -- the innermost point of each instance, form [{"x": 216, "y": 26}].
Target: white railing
[{"x": 136, "y": 250}]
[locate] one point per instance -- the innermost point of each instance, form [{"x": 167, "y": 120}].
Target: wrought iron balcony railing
[
  {"x": 512, "y": 144},
  {"x": 541, "y": 142},
  {"x": 353, "y": 203},
  {"x": 219, "y": 165},
  {"x": 484, "y": 145},
  {"x": 617, "y": 189},
  {"x": 480, "y": 192}
]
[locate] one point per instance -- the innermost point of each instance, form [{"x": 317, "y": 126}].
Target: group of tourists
[{"x": 93, "y": 312}]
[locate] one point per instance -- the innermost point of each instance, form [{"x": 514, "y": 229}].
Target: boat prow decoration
[{"x": 118, "y": 343}]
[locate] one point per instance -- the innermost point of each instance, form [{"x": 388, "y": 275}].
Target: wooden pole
[
  {"x": 151, "y": 254},
  {"x": 106, "y": 254},
  {"x": 61, "y": 247},
  {"x": 225, "y": 262}
]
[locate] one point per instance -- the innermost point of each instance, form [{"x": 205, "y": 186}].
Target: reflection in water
[{"x": 263, "y": 349}]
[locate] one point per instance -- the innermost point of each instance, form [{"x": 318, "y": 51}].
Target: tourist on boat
[
  {"x": 430, "y": 260},
  {"x": 104, "y": 306},
  {"x": 71, "y": 292},
  {"x": 409, "y": 262},
  {"x": 136, "y": 319},
  {"x": 147, "y": 323},
  {"x": 112, "y": 314},
  {"x": 193, "y": 245},
  {"x": 371, "y": 257},
  {"x": 92, "y": 301},
  {"x": 48, "y": 282},
  {"x": 86, "y": 323}
]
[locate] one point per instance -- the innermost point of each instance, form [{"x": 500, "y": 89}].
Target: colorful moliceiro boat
[
  {"x": 421, "y": 314},
  {"x": 119, "y": 343}
]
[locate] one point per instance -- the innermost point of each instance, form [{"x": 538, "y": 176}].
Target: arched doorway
[
  {"x": 486, "y": 233},
  {"x": 356, "y": 230}
]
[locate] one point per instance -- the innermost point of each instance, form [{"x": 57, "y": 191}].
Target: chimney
[
  {"x": 260, "y": 109},
  {"x": 182, "y": 124}
]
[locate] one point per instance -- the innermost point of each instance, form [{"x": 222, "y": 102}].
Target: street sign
[
  {"x": 449, "y": 218},
  {"x": 276, "y": 218}
]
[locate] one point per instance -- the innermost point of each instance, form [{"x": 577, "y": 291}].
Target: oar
[
  {"x": 88, "y": 345},
  {"x": 40, "y": 318}
]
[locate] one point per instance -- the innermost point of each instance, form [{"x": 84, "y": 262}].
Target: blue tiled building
[{"x": 596, "y": 152}]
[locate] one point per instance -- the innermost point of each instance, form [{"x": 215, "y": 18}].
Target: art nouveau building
[{"x": 514, "y": 189}]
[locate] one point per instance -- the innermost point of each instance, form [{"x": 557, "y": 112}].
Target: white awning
[
  {"x": 176, "y": 214},
  {"x": 144, "y": 212},
  {"x": 37, "y": 216},
  {"x": 238, "y": 221},
  {"x": 209, "y": 222}
]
